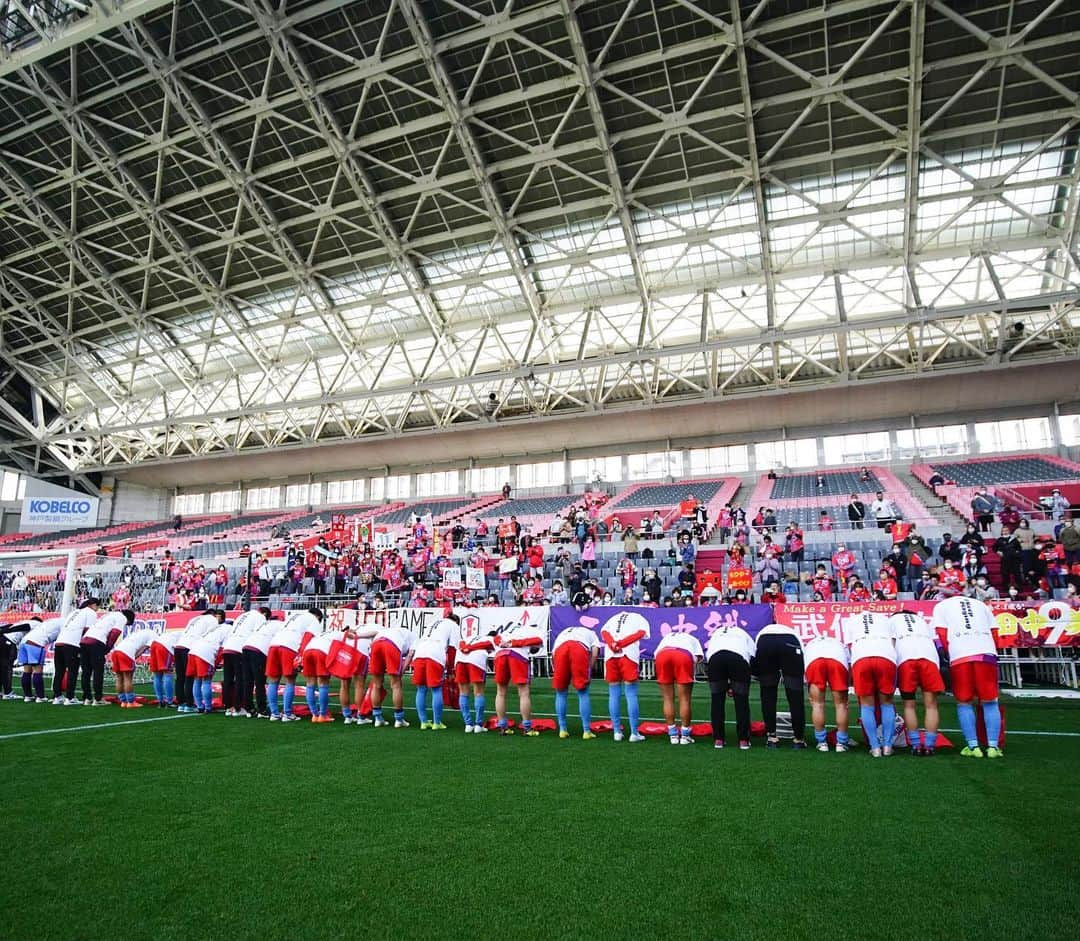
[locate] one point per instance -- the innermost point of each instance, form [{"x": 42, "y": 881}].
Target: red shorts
[
  {"x": 427, "y": 672},
  {"x": 160, "y": 659},
  {"x": 385, "y": 658},
  {"x": 620, "y": 670},
  {"x": 468, "y": 673},
  {"x": 315, "y": 663},
  {"x": 975, "y": 679},
  {"x": 199, "y": 668},
  {"x": 923, "y": 674},
  {"x": 826, "y": 673},
  {"x": 873, "y": 675},
  {"x": 121, "y": 662},
  {"x": 510, "y": 669},
  {"x": 281, "y": 662},
  {"x": 674, "y": 666},
  {"x": 571, "y": 663}
]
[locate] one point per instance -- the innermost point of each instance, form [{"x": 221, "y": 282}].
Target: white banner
[
  {"x": 509, "y": 565},
  {"x": 451, "y": 577},
  {"x": 475, "y": 578},
  {"x": 420, "y": 621},
  {"x": 48, "y": 507}
]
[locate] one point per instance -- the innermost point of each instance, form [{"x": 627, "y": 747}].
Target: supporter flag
[
  {"x": 509, "y": 565},
  {"x": 475, "y": 578},
  {"x": 364, "y": 531},
  {"x": 451, "y": 577}
]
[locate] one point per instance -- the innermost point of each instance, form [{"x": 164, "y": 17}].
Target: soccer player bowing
[
  {"x": 969, "y": 638},
  {"x": 622, "y": 636},
  {"x": 391, "y": 654},
  {"x": 281, "y": 662},
  {"x": 95, "y": 644},
  {"x": 573, "y": 655},
  {"x": 203, "y": 655},
  {"x": 429, "y": 669},
  {"x": 123, "y": 658},
  {"x": 919, "y": 669},
  {"x": 31, "y": 656},
  {"x": 826, "y": 660},
  {"x": 727, "y": 663},
  {"x": 513, "y": 645},
  {"x": 470, "y": 673},
  {"x": 780, "y": 657},
  {"x": 677, "y": 657},
  {"x": 873, "y": 674}
]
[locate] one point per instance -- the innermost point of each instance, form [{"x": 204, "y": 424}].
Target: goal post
[{"x": 23, "y": 559}]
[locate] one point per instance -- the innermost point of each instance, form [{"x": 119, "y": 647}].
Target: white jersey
[
  {"x": 298, "y": 629},
  {"x": 914, "y": 638},
  {"x": 433, "y": 646},
  {"x": 399, "y": 637},
  {"x": 870, "y": 634},
  {"x": 824, "y": 648},
  {"x": 474, "y": 658},
  {"x": 196, "y": 628},
  {"x": 104, "y": 625},
  {"x": 321, "y": 644},
  {"x": 577, "y": 635},
  {"x": 206, "y": 647},
  {"x": 681, "y": 641},
  {"x": 968, "y": 625},
  {"x": 136, "y": 642},
  {"x": 517, "y": 633},
  {"x": 624, "y": 625},
  {"x": 733, "y": 639},
  {"x": 242, "y": 629},
  {"x": 781, "y": 630},
  {"x": 262, "y": 632},
  {"x": 75, "y": 625},
  {"x": 45, "y": 633}
]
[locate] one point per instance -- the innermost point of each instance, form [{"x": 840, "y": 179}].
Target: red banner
[{"x": 1019, "y": 624}]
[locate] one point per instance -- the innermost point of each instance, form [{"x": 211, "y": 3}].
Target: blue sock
[
  {"x": 888, "y": 724},
  {"x": 399, "y": 715},
  {"x": 966, "y": 714},
  {"x": 560, "y": 709},
  {"x": 436, "y": 705},
  {"x": 421, "y": 704},
  {"x": 526, "y": 724},
  {"x": 632, "y": 707},
  {"x": 376, "y": 713},
  {"x": 614, "y": 704},
  {"x": 584, "y": 704},
  {"x": 820, "y": 737},
  {"x": 155, "y": 679},
  {"x": 290, "y": 692},
  {"x": 992, "y": 719},
  {"x": 478, "y": 702},
  {"x": 272, "y": 690},
  {"x": 324, "y": 699},
  {"x": 931, "y": 739},
  {"x": 170, "y": 685},
  {"x": 870, "y": 726},
  {"x": 673, "y": 731},
  {"x": 914, "y": 739},
  {"x": 309, "y": 697},
  {"x": 463, "y": 705},
  {"x": 207, "y": 695},
  {"x": 346, "y": 712},
  {"x": 841, "y": 738},
  {"x": 196, "y": 693},
  {"x": 503, "y": 723}
]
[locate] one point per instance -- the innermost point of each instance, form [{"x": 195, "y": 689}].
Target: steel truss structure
[{"x": 227, "y": 225}]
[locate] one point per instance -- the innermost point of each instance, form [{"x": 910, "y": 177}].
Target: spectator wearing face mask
[
  {"x": 982, "y": 590},
  {"x": 983, "y": 506}
]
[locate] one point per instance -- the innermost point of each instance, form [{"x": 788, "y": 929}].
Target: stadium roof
[{"x": 229, "y": 226}]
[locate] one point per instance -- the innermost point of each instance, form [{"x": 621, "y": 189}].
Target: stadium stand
[{"x": 642, "y": 500}]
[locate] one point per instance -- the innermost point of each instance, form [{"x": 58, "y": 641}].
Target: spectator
[
  {"x": 1008, "y": 548},
  {"x": 983, "y": 507},
  {"x": 630, "y": 542},
  {"x": 1070, "y": 542},
  {"x": 773, "y": 595},
  {"x": 687, "y": 550},
  {"x": 616, "y": 526},
  {"x": 931, "y": 590},
  {"x": 657, "y": 525},
  {"x": 825, "y": 522},
  {"x": 885, "y": 588},
  {"x": 1009, "y": 517},
  {"x": 102, "y": 552},
  {"x": 951, "y": 579},
  {"x": 843, "y": 563},
  {"x": 1058, "y": 505},
  {"x": 918, "y": 553},
  {"x": 559, "y": 597},
  {"x": 898, "y": 563},
  {"x": 770, "y": 520},
  {"x": 177, "y": 523},
  {"x": 819, "y": 481},
  {"x": 973, "y": 538},
  {"x": 856, "y": 512},
  {"x": 821, "y": 584},
  {"x": 864, "y": 474},
  {"x": 588, "y": 553},
  {"x": 935, "y": 481},
  {"x": 601, "y": 530},
  {"x": 724, "y": 524},
  {"x": 857, "y": 592},
  {"x": 949, "y": 549},
  {"x": 882, "y": 510},
  {"x": 982, "y": 590},
  {"x": 1025, "y": 535},
  {"x": 768, "y": 566},
  {"x": 772, "y": 475},
  {"x": 535, "y": 556},
  {"x": 651, "y": 584},
  {"x": 794, "y": 543},
  {"x": 506, "y": 491}
]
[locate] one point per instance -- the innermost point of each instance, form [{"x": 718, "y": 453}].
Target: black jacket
[{"x": 856, "y": 511}]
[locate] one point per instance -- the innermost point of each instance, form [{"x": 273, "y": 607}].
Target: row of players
[{"x": 879, "y": 653}]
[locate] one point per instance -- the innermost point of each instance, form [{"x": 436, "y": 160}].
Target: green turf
[{"x": 202, "y": 826}]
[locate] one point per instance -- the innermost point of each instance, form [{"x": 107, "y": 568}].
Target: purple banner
[{"x": 700, "y": 622}]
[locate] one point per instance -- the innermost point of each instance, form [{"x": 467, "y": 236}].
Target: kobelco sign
[{"x": 55, "y": 513}]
